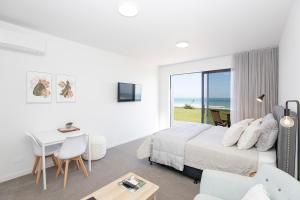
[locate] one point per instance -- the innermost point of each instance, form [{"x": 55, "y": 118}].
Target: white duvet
[
  {"x": 206, "y": 151},
  {"x": 168, "y": 146}
]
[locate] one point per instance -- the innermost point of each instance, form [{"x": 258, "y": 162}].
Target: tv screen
[
  {"x": 129, "y": 92},
  {"x": 125, "y": 92}
]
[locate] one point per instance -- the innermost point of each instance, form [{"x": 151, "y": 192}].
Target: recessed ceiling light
[
  {"x": 182, "y": 44},
  {"x": 128, "y": 9}
]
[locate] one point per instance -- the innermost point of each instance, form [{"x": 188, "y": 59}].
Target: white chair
[
  {"x": 72, "y": 149},
  {"x": 37, "y": 151}
]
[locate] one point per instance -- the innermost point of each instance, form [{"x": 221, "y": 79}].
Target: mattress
[
  {"x": 268, "y": 157},
  {"x": 206, "y": 151}
]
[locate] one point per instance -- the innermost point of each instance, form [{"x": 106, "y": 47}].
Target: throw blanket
[{"x": 168, "y": 146}]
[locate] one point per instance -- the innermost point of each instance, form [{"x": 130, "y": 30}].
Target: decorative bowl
[{"x": 69, "y": 125}]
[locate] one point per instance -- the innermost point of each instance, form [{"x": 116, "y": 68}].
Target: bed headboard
[{"x": 286, "y": 143}]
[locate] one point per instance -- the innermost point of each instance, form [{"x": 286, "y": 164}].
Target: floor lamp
[{"x": 287, "y": 121}]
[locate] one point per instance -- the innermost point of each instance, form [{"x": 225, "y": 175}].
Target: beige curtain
[{"x": 255, "y": 73}]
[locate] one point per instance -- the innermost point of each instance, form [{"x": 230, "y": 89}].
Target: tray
[{"x": 67, "y": 130}]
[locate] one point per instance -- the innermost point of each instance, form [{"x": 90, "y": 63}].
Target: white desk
[{"x": 47, "y": 138}]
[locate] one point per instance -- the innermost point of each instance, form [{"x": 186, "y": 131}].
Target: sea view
[{"x": 223, "y": 103}]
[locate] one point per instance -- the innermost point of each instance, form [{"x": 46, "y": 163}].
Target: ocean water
[{"x": 197, "y": 102}]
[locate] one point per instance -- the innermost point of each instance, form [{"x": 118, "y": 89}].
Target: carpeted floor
[{"x": 118, "y": 161}]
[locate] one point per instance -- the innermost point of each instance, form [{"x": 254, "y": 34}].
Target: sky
[{"x": 189, "y": 85}]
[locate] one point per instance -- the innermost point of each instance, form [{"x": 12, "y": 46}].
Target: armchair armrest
[{"x": 225, "y": 185}]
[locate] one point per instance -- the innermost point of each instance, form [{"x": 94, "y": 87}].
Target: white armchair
[{"x": 217, "y": 185}]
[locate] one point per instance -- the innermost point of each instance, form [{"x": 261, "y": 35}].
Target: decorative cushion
[
  {"x": 257, "y": 192},
  {"x": 233, "y": 134},
  {"x": 268, "y": 117},
  {"x": 269, "y": 133},
  {"x": 250, "y": 135}
]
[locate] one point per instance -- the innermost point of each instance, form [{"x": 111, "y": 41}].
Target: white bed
[{"x": 202, "y": 150}]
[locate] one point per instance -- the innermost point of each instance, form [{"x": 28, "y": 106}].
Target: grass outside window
[{"x": 194, "y": 115}]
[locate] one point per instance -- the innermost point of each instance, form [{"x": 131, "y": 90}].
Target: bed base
[
  {"x": 188, "y": 171},
  {"x": 193, "y": 173}
]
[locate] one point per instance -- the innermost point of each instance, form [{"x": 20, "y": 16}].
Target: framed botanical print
[
  {"x": 65, "y": 88},
  {"x": 39, "y": 88}
]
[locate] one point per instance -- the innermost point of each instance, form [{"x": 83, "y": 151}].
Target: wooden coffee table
[{"x": 114, "y": 191}]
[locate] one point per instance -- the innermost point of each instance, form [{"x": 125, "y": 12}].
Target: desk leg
[
  {"x": 44, "y": 167},
  {"x": 90, "y": 161}
]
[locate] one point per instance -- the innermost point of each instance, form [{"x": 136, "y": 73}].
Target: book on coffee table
[{"x": 134, "y": 183}]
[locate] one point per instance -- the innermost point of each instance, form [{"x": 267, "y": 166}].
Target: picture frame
[
  {"x": 39, "y": 87},
  {"x": 65, "y": 88}
]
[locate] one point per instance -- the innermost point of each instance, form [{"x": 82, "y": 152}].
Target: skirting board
[
  {"x": 20, "y": 173},
  {"x": 126, "y": 141},
  {"x": 15, "y": 175}
]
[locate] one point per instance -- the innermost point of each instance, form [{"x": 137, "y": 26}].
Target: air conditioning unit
[{"x": 21, "y": 42}]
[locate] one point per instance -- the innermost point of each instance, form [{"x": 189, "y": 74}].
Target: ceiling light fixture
[
  {"x": 182, "y": 44},
  {"x": 128, "y": 9}
]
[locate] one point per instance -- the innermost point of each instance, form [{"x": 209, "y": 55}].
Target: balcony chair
[{"x": 217, "y": 118}]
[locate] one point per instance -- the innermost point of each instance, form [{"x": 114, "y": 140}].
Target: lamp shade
[
  {"x": 260, "y": 98},
  {"x": 287, "y": 122}
]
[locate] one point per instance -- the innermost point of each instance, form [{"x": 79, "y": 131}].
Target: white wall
[
  {"x": 97, "y": 73},
  {"x": 164, "y": 81},
  {"x": 289, "y": 57}
]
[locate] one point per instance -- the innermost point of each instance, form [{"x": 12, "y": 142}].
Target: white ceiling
[{"x": 212, "y": 27}]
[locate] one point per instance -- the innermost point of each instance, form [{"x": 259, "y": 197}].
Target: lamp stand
[{"x": 298, "y": 132}]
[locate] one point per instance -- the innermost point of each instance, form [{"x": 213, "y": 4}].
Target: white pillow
[
  {"x": 250, "y": 135},
  {"x": 246, "y": 122},
  {"x": 233, "y": 134},
  {"x": 257, "y": 192}
]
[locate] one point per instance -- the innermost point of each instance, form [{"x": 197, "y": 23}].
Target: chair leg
[
  {"x": 59, "y": 168},
  {"x": 39, "y": 169},
  {"x": 35, "y": 164},
  {"x": 54, "y": 160},
  {"x": 66, "y": 172},
  {"x": 83, "y": 166},
  {"x": 58, "y": 162},
  {"x": 77, "y": 163}
]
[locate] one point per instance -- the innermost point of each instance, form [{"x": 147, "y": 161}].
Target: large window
[{"x": 194, "y": 96}]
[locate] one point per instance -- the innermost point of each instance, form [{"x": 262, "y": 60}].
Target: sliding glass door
[
  {"x": 201, "y": 97},
  {"x": 216, "y": 93}
]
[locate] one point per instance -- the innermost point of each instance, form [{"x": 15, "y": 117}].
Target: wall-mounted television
[{"x": 129, "y": 92}]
